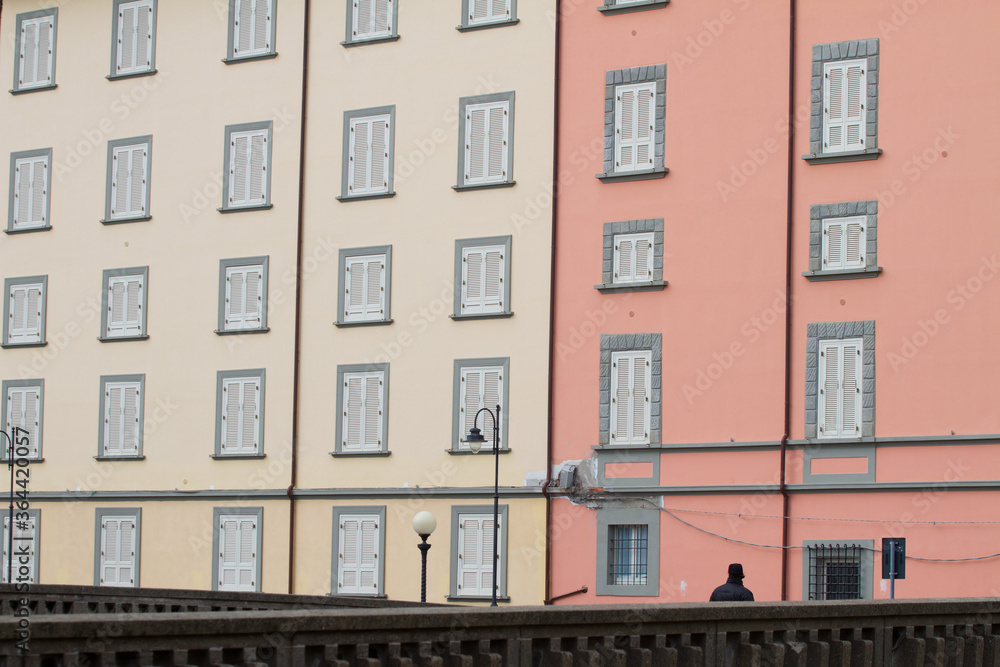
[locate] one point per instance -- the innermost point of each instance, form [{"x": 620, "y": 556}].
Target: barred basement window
[
  {"x": 835, "y": 571},
  {"x": 628, "y": 555}
]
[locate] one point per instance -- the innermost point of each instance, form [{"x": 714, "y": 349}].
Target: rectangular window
[
  {"x": 30, "y": 180},
  {"x": 845, "y": 84},
  {"x": 840, "y": 371},
  {"x": 472, "y": 552},
  {"x": 628, "y": 548},
  {"x": 26, "y": 539},
  {"x": 129, "y": 163},
  {"x": 358, "y": 550},
  {"x": 243, "y": 295},
  {"x": 240, "y": 413},
  {"x": 368, "y": 153},
  {"x": 633, "y": 258},
  {"x": 480, "y": 383},
  {"x": 482, "y": 268},
  {"x": 487, "y": 136},
  {"x": 24, "y": 311},
  {"x": 844, "y": 89},
  {"x": 631, "y": 382},
  {"x": 236, "y": 545},
  {"x": 35, "y": 65},
  {"x": 364, "y": 289},
  {"x": 121, "y": 415},
  {"x": 487, "y": 13},
  {"x": 22, "y": 408},
  {"x": 362, "y": 399},
  {"x": 371, "y": 21},
  {"x": 246, "y": 183},
  {"x": 251, "y": 29},
  {"x": 635, "y": 111},
  {"x": 844, "y": 243},
  {"x": 118, "y": 538},
  {"x": 837, "y": 571},
  {"x": 635, "y": 126},
  {"x": 123, "y": 316},
  {"x": 133, "y": 30}
]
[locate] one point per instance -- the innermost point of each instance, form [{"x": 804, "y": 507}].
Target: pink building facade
[{"x": 776, "y": 244}]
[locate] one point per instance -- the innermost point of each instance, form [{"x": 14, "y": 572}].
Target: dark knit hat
[{"x": 736, "y": 571}]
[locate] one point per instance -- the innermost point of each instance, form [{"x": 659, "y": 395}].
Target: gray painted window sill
[
  {"x": 619, "y": 448},
  {"x": 263, "y": 56},
  {"x": 359, "y": 455},
  {"x": 475, "y": 598},
  {"x": 23, "y": 91},
  {"x": 625, "y": 9},
  {"x": 484, "y": 186},
  {"x": 383, "y": 195},
  {"x": 239, "y": 209},
  {"x": 633, "y": 175},
  {"x": 116, "y": 339},
  {"x": 367, "y": 323},
  {"x": 237, "y": 332},
  {"x": 847, "y": 156},
  {"x": 8, "y": 346},
  {"x": 837, "y": 441},
  {"x": 120, "y": 221},
  {"x": 652, "y": 286},
  {"x": 482, "y": 316},
  {"x": 362, "y": 42},
  {"x": 28, "y": 230},
  {"x": 237, "y": 457},
  {"x": 130, "y": 75},
  {"x": 484, "y": 26},
  {"x": 120, "y": 458},
  {"x": 842, "y": 274},
  {"x": 643, "y": 591},
  {"x": 481, "y": 452}
]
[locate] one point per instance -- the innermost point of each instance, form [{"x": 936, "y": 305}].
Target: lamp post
[
  {"x": 10, "y": 520},
  {"x": 424, "y": 524},
  {"x": 476, "y": 441}
]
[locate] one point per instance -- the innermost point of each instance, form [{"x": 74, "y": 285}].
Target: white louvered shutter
[
  {"x": 475, "y": 555},
  {"x": 372, "y": 19},
  {"x": 631, "y": 385},
  {"x": 482, "y": 387},
  {"x": 24, "y": 409},
  {"x": 31, "y": 183},
  {"x": 362, "y": 411},
  {"x": 35, "y": 66},
  {"x": 125, "y": 304},
  {"x": 633, "y": 258},
  {"x": 488, "y": 11},
  {"x": 248, "y": 168},
  {"x": 364, "y": 291},
  {"x": 237, "y": 553},
  {"x": 25, "y": 534},
  {"x": 359, "y": 555},
  {"x": 486, "y": 142},
  {"x": 252, "y": 29},
  {"x": 129, "y": 166},
  {"x": 241, "y": 415},
  {"x": 482, "y": 279},
  {"x": 244, "y": 297},
  {"x": 844, "y": 243},
  {"x": 118, "y": 536},
  {"x": 634, "y": 116},
  {"x": 135, "y": 37},
  {"x": 844, "y": 92},
  {"x": 122, "y": 401},
  {"x": 25, "y": 314},
  {"x": 368, "y": 156},
  {"x": 839, "y": 404}
]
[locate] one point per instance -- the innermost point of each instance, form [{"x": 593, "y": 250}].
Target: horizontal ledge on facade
[
  {"x": 240, "y": 209},
  {"x": 486, "y": 26},
  {"x": 237, "y": 332},
  {"x": 357, "y": 596},
  {"x": 483, "y": 316},
  {"x": 381, "y": 195},
  {"x": 122, "y": 221},
  {"x": 359, "y": 455},
  {"x": 645, "y": 175},
  {"x": 237, "y": 457},
  {"x": 475, "y": 598},
  {"x": 483, "y": 492},
  {"x": 247, "y": 59},
  {"x": 8, "y": 346},
  {"x": 23, "y": 91},
  {"x": 651, "y": 286},
  {"x": 637, "y": 7},
  {"x": 899, "y": 487},
  {"x": 130, "y": 75},
  {"x": 481, "y": 452},
  {"x": 842, "y": 274},
  {"x": 120, "y": 458},
  {"x": 483, "y": 186},
  {"x": 372, "y": 323},
  {"x": 362, "y": 42},
  {"x": 121, "y": 339},
  {"x": 913, "y": 441},
  {"x": 30, "y": 461},
  {"x": 28, "y": 230},
  {"x": 847, "y": 156}
]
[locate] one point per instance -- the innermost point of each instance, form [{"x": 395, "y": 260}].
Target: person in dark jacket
[{"x": 733, "y": 590}]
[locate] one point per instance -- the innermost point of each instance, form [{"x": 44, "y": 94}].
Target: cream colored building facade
[{"x": 249, "y": 355}]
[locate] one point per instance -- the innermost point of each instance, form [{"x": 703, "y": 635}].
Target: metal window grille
[
  {"x": 835, "y": 571},
  {"x": 627, "y": 554}
]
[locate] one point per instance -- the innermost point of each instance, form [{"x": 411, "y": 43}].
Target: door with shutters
[
  {"x": 134, "y": 50},
  {"x": 475, "y": 555},
  {"x": 252, "y": 28},
  {"x": 482, "y": 279},
  {"x": 244, "y": 305},
  {"x": 24, "y": 410},
  {"x": 37, "y": 46},
  {"x": 631, "y": 388},
  {"x": 840, "y": 401},
  {"x": 25, "y": 549},
  {"x": 119, "y": 540},
  {"x": 365, "y": 288},
  {"x": 482, "y": 387},
  {"x": 129, "y": 180},
  {"x": 364, "y": 398},
  {"x": 239, "y": 542},
  {"x": 31, "y": 201},
  {"x": 241, "y": 415},
  {"x": 125, "y": 306},
  {"x": 486, "y": 142},
  {"x": 844, "y": 93},
  {"x": 633, "y": 255},
  {"x": 635, "y": 114},
  {"x": 24, "y": 318},
  {"x": 358, "y": 556}
]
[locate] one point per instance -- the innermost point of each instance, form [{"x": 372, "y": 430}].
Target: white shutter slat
[
  {"x": 29, "y": 59},
  {"x": 640, "y": 397},
  {"x": 473, "y": 267},
  {"x": 850, "y": 395},
  {"x": 373, "y": 412},
  {"x": 239, "y": 171},
  {"x": 126, "y": 38},
  {"x": 261, "y": 25},
  {"x": 621, "y": 371},
  {"x": 143, "y": 35},
  {"x": 354, "y": 410},
  {"x": 854, "y": 255},
  {"x": 256, "y": 167},
  {"x": 130, "y": 421},
  {"x": 497, "y": 142},
  {"x": 378, "y": 147},
  {"x": 476, "y": 144}
]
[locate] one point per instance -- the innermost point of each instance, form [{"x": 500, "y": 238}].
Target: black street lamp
[
  {"x": 476, "y": 441},
  {"x": 424, "y": 524}
]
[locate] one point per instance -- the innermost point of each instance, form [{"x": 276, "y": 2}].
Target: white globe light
[{"x": 424, "y": 523}]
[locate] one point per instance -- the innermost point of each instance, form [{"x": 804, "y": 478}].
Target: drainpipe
[
  {"x": 788, "y": 297},
  {"x": 298, "y": 303},
  {"x": 552, "y": 310}
]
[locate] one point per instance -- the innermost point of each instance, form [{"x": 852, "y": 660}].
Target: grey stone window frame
[
  {"x": 631, "y": 342},
  {"x": 259, "y": 373},
  {"x": 100, "y": 513},
  {"x": 618, "y": 7},
  {"x": 344, "y": 255},
  {"x": 820, "y": 331},
  {"x": 140, "y": 410},
  {"x": 142, "y": 271},
  {"x": 628, "y": 517},
  {"x": 460, "y": 246},
  {"x": 19, "y": 48},
  {"x": 613, "y": 229},
  {"x": 231, "y": 57},
  {"x": 47, "y": 218},
  {"x": 485, "y": 423},
  {"x": 224, "y": 265},
  {"x": 393, "y": 35},
  {"x": 267, "y": 126},
  {"x": 626, "y": 76},
  {"x": 8, "y": 283},
  {"x": 118, "y": 143},
  {"x": 463, "y": 103},
  {"x": 5, "y": 446},
  {"x": 35, "y": 514},
  {"x": 113, "y": 76},
  {"x": 389, "y": 110},
  {"x": 820, "y": 212},
  {"x": 867, "y": 563},
  {"x": 369, "y": 510},
  {"x": 503, "y": 547},
  {"x": 217, "y": 514},
  {"x": 342, "y": 369},
  {"x": 465, "y": 26},
  {"x": 834, "y": 51}
]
